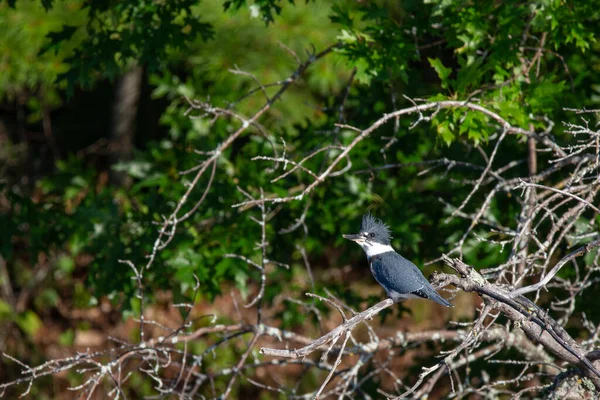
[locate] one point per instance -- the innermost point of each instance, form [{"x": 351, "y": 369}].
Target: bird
[{"x": 400, "y": 278}]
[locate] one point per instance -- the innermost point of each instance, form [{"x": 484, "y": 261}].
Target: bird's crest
[{"x": 372, "y": 224}]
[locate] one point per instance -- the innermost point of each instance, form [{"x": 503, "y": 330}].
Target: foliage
[
  {"x": 524, "y": 61},
  {"x": 22, "y": 68}
]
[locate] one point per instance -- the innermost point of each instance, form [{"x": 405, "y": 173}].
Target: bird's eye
[{"x": 372, "y": 234}]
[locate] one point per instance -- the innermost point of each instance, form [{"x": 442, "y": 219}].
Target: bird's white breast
[{"x": 372, "y": 249}]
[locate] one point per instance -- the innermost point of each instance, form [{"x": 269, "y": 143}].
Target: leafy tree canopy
[{"x": 315, "y": 75}]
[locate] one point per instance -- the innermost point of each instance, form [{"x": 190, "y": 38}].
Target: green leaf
[
  {"x": 135, "y": 168},
  {"x": 66, "y": 264},
  {"x": 67, "y": 338},
  {"x": 48, "y": 298},
  {"x": 58, "y": 39},
  {"x": 29, "y": 322},
  {"x": 445, "y": 132},
  {"x": 6, "y": 311},
  {"x": 443, "y": 72}
]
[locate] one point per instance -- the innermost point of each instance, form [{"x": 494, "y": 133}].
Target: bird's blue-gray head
[{"x": 374, "y": 236}]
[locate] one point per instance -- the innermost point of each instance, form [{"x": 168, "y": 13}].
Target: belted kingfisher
[{"x": 400, "y": 278}]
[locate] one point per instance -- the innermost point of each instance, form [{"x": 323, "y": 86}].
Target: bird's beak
[{"x": 354, "y": 238}]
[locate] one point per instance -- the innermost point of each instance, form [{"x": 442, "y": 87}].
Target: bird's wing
[{"x": 395, "y": 272}]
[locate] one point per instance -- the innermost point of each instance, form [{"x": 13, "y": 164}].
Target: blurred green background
[{"x": 93, "y": 135}]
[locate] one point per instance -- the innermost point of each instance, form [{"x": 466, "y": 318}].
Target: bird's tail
[{"x": 435, "y": 296}]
